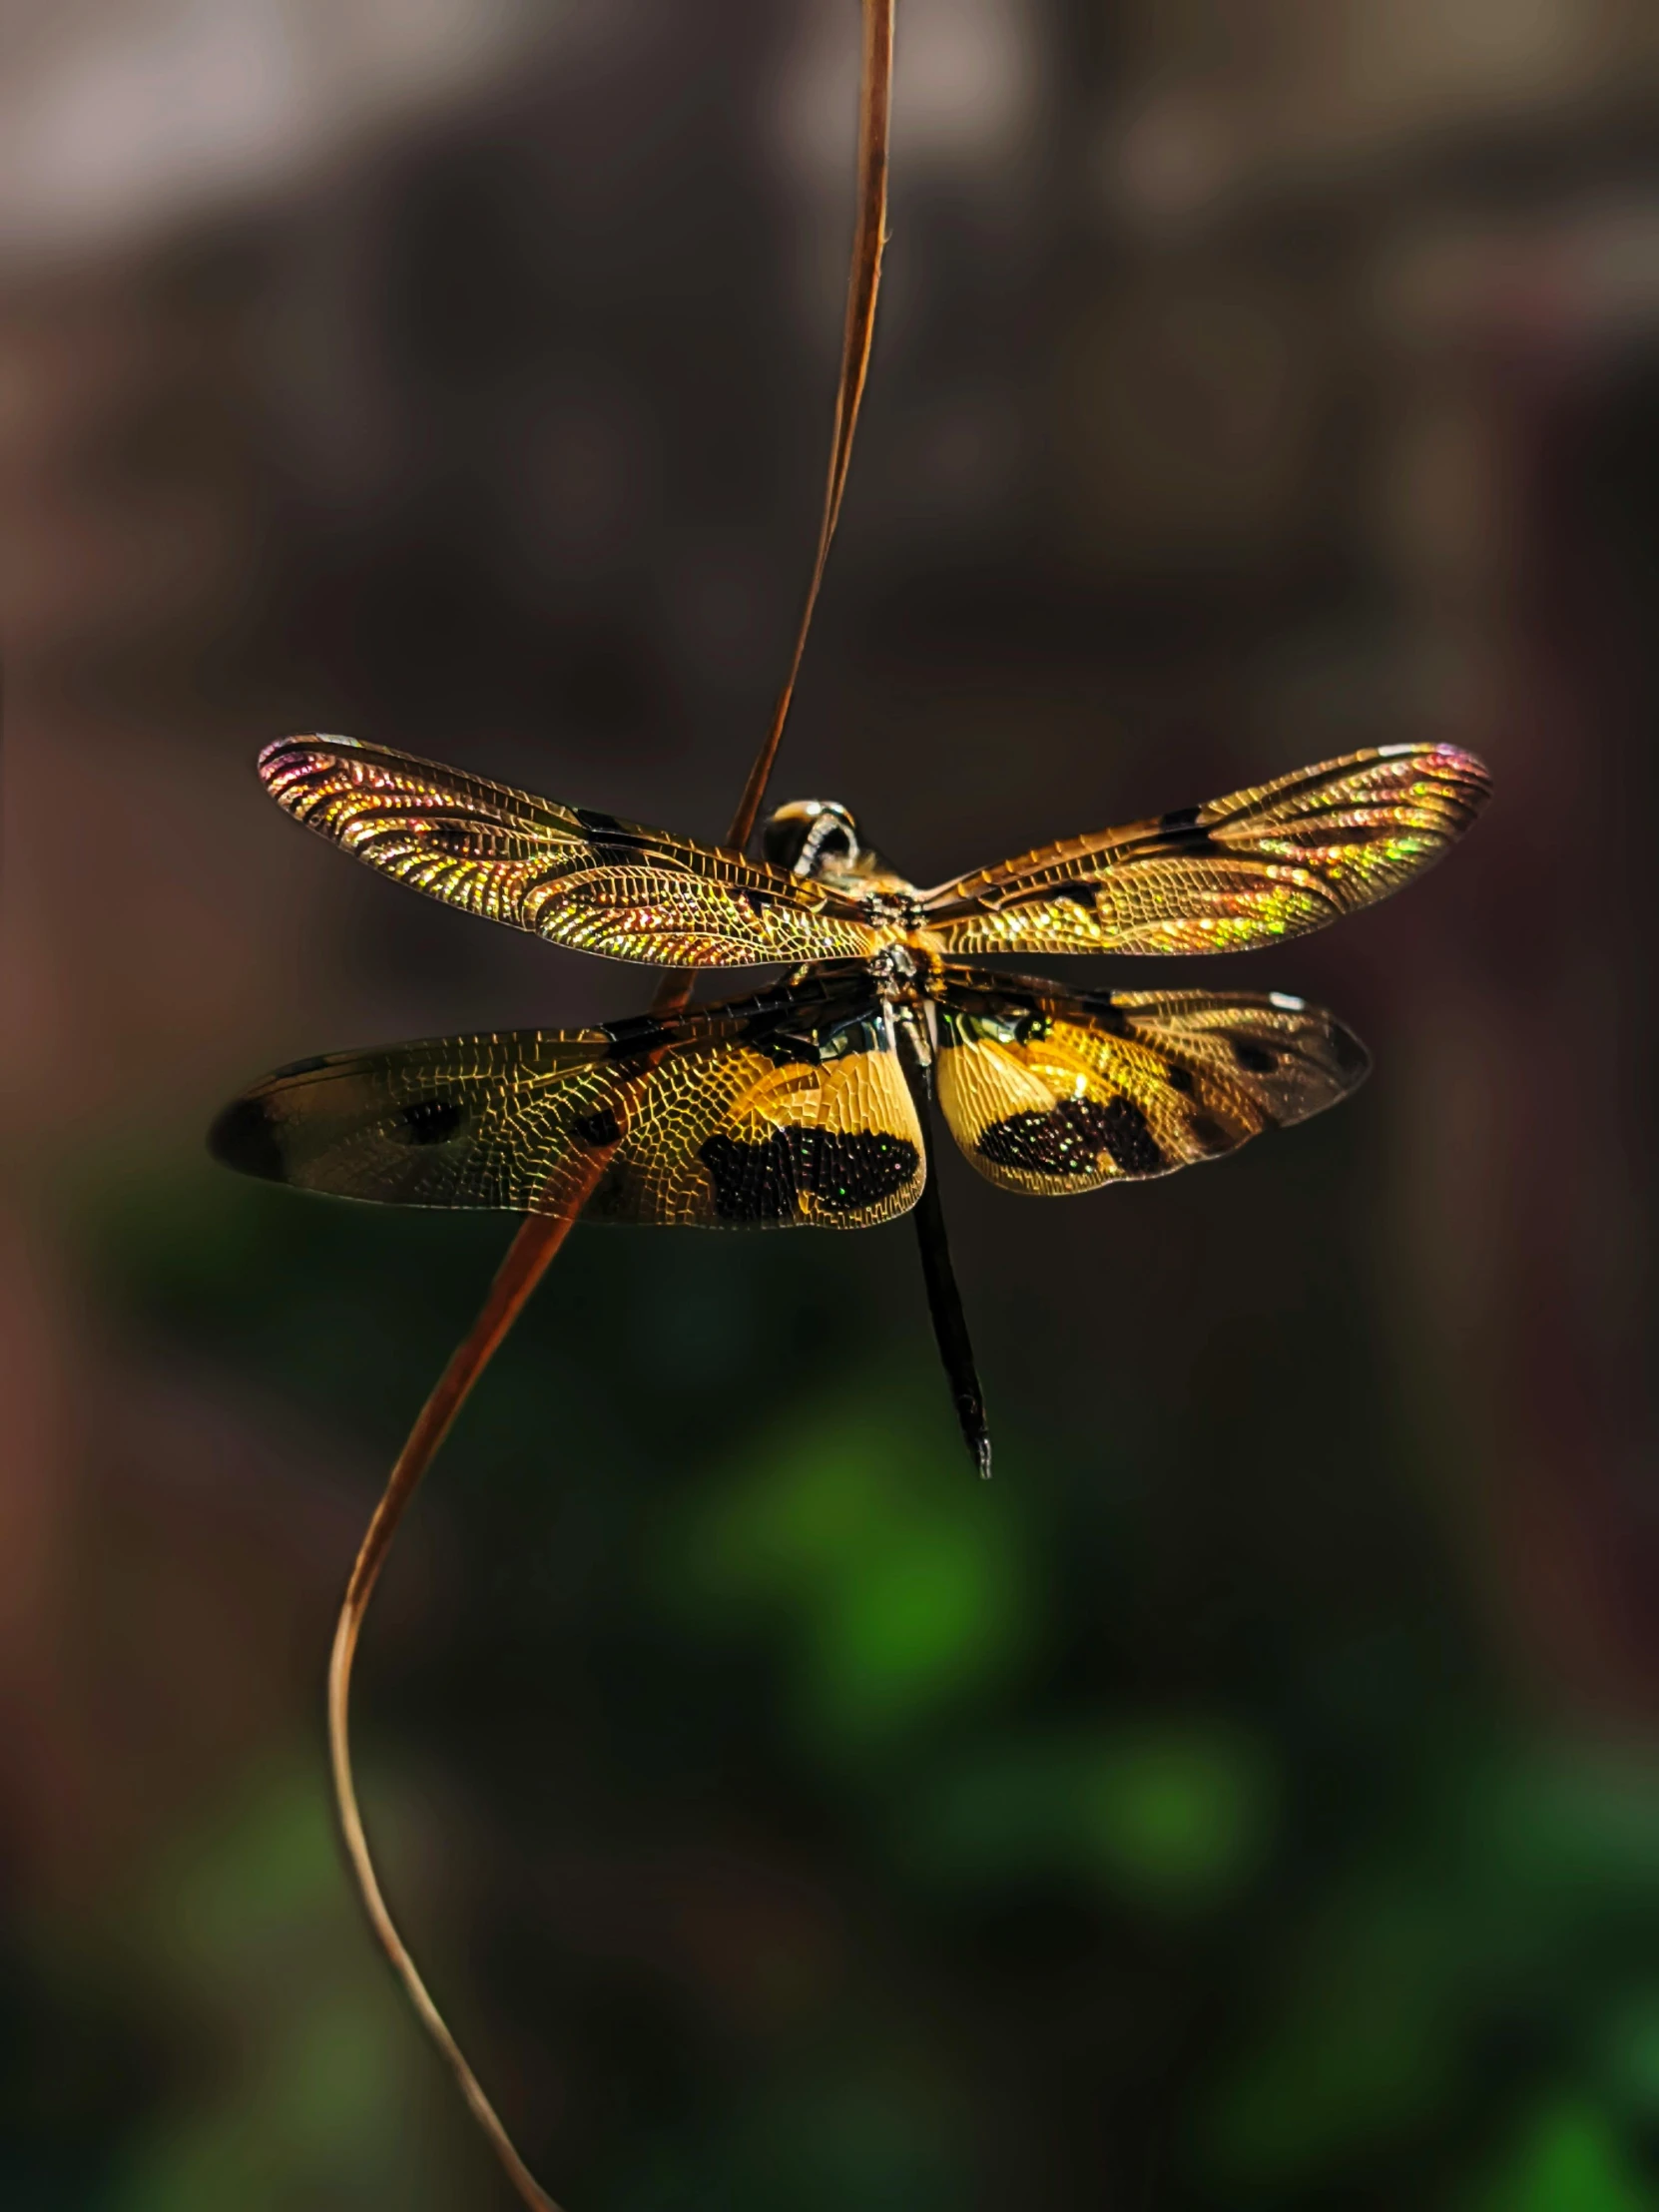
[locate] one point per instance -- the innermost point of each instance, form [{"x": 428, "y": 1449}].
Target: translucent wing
[
  {"x": 1049, "y": 1094},
  {"x": 787, "y": 1110},
  {"x": 580, "y": 878},
  {"x": 1239, "y": 873}
]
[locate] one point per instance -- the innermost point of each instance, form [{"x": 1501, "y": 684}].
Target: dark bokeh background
[{"x": 1250, "y": 1798}]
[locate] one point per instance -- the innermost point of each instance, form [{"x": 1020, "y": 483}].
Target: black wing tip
[
  {"x": 1350, "y": 1053},
  {"x": 1347, "y": 1055},
  {"x": 244, "y": 1137}
]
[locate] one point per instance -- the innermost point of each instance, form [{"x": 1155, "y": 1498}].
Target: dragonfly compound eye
[{"x": 810, "y": 834}]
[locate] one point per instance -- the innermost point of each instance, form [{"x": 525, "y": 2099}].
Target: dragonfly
[{"x": 810, "y": 1103}]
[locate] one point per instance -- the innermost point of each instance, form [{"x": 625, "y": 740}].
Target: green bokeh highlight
[
  {"x": 1167, "y": 1817},
  {"x": 900, "y": 1590},
  {"x": 324, "y": 2088}
]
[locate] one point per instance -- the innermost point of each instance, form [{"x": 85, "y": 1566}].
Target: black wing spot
[
  {"x": 596, "y": 825},
  {"x": 1208, "y": 1134},
  {"x": 1067, "y": 1140},
  {"x": 597, "y": 1130},
  {"x": 1178, "y": 1079},
  {"x": 1182, "y": 829},
  {"x": 844, "y": 1171},
  {"x": 1129, "y": 1139},
  {"x": 454, "y": 839},
  {"x": 856, "y": 1168},
  {"x": 639, "y": 1034},
  {"x": 245, "y": 1137},
  {"x": 1033, "y": 1028},
  {"x": 1254, "y": 1058},
  {"x": 1106, "y": 1012},
  {"x": 1080, "y": 894},
  {"x": 1349, "y": 1054},
  {"x": 768, "y": 1033},
  {"x": 430, "y": 1121},
  {"x": 752, "y": 1182},
  {"x": 615, "y": 852}
]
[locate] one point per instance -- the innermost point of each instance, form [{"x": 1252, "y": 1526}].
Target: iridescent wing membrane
[
  {"x": 791, "y": 1109},
  {"x": 577, "y": 877},
  {"x": 1243, "y": 871},
  {"x": 1051, "y": 1094},
  {"x": 786, "y": 1110}
]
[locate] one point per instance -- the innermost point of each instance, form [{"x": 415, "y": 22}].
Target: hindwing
[
  {"x": 787, "y": 1110},
  {"x": 1051, "y": 1094}
]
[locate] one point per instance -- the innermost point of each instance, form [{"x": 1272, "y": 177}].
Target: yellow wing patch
[
  {"x": 1049, "y": 1095},
  {"x": 576, "y": 877},
  {"x": 1243, "y": 871},
  {"x": 788, "y": 1110}
]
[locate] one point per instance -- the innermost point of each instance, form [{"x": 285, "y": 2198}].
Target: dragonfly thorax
[{"x": 893, "y": 968}]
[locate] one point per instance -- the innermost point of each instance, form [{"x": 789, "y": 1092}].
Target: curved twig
[
  {"x": 869, "y": 243},
  {"x": 533, "y": 1247},
  {"x": 527, "y": 1257}
]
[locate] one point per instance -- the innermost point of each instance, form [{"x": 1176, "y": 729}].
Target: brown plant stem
[
  {"x": 540, "y": 1237},
  {"x": 869, "y": 243}
]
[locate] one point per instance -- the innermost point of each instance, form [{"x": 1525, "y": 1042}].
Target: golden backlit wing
[
  {"x": 787, "y": 1110},
  {"x": 1239, "y": 873},
  {"x": 1049, "y": 1094},
  {"x": 577, "y": 877}
]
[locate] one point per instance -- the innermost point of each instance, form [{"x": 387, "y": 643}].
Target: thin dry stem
[
  {"x": 869, "y": 243},
  {"x": 527, "y": 1257},
  {"x": 540, "y": 1237}
]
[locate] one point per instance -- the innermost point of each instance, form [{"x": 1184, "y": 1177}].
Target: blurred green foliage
[
  {"x": 248, "y": 1936},
  {"x": 889, "y": 1603},
  {"x": 1020, "y": 1901},
  {"x": 1169, "y": 1816}
]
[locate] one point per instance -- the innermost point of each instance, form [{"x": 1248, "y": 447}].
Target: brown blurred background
[{"x": 1250, "y": 1798}]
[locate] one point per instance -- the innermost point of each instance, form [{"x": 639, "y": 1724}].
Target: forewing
[
  {"x": 1242, "y": 872},
  {"x": 1049, "y": 1094},
  {"x": 788, "y": 1110},
  {"x": 563, "y": 872}
]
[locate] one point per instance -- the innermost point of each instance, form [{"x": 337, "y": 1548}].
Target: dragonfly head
[{"x": 812, "y": 837}]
